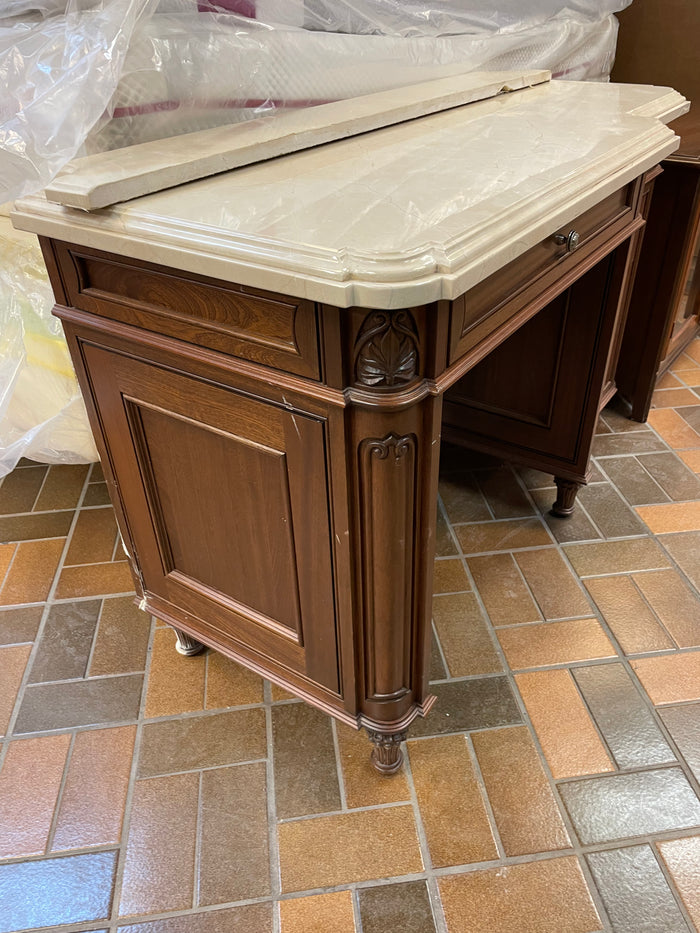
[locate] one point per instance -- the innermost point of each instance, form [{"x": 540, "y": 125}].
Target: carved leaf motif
[{"x": 387, "y": 349}]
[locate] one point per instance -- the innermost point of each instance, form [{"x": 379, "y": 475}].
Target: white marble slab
[
  {"x": 111, "y": 177},
  {"x": 405, "y": 215}
]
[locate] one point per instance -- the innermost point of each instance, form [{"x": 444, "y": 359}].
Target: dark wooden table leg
[
  {"x": 567, "y": 491},
  {"x": 185, "y": 644},
  {"x": 387, "y": 756}
]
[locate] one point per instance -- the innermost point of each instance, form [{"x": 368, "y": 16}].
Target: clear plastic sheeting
[
  {"x": 42, "y": 414},
  {"x": 82, "y": 76},
  {"x": 59, "y": 66}
]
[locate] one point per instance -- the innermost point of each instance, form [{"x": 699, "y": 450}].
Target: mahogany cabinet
[
  {"x": 274, "y": 461},
  {"x": 269, "y": 358},
  {"x": 665, "y": 304}
]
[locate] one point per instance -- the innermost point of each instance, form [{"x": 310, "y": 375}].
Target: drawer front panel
[
  {"x": 497, "y": 298},
  {"x": 265, "y": 328}
]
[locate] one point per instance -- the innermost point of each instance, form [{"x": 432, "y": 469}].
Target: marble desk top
[{"x": 400, "y": 216}]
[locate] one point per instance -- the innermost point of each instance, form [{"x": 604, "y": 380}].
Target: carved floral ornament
[{"x": 386, "y": 349}]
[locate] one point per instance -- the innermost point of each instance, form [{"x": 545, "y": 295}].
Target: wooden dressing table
[{"x": 269, "y": 357}]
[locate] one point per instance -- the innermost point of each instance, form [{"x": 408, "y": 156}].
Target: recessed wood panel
[
  {"x": 223, "y": 481},
  {"x": 228, "y": 503}
]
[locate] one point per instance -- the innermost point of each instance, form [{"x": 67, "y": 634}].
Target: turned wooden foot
[
  {"x": 387, "y": 756},
  {"x": 185, "y": 644},
  {"x": 567, "y": 490}
]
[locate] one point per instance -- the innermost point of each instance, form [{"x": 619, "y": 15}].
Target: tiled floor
[{"x": 553, "y": 789}]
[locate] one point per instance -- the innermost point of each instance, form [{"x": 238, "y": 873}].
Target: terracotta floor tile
[
  {"x": 613, "y": 445},
  {"x": 464, "y": 636},
  {"x": 504, "y": 493},
  {"x": 19, "y": 624},
  {"x": 679, "y": 482},
  {"x": 691, "y": 414},
  {"x": 230, "y": 684},
  {"x": 31, "y": 574},
  {"x": 576, "y": 527},
  {"x": 675, "y": 516},
  {"x": 7, "y": 552},
  {"x": 632, "y": 622},
  {"x": 95, "y": 580},
  {"x": 96, "y": 473},
  {"x": 209, "y": 741},
  {"x": 682, "y": 857},
  {"x": 668, "y": 381},
  {"x": 670, "y": 678},
  {"x": 94, "y": 795},
  {"x": 93, "y": 537},
  {"x": 464, "y": 705},
  {"x": 503, "y": 590},
  {"x": 320, "y": 913},
  {"x": 635, "y": 892},
  {"x": 234, "y": 858},
  {"x": 611, "y": 514},
  {"x": 62, "y": 487},
  {"x": 502, "y": 536},
  {"x": 555, "y": 588},
  {"x": 332, "y": 850},
  {"x": 250, "y": 918},
  {"x": 404, "y": 908},
  {"x": 36, "y": 525},
  {"x": 449, "y": 576},
  {"x": 13, "y": 661},
  {"x": 79, "y": 703},
  {"x": 364, "y": 786},
  {"x": 673, "y": 428},
  {"x": 96, "y": 494},
  {"x": 625, "y": 720},
  {"x": 686, "y": 360},
  {"x": 175, "y": 682},
  {"x": 606, "y": 557},
  {"x": 279, "y": 693},
  {"x": 673, "y": 397},
  {"x": 29, "y": 784},
  {"x": 54, "y": 891},
  {"x": 673, "y": 603},
  {"x": 20, "y": 488},
  {"x": 521, "y": 798},
  {"x": 66, "y": 641},
  {"x": 122, "y": 637},
  {"x": 451, "y": 806},
  {"x": 566, "y": 732},
  {"x": 548, "y": 896},
  {"x": 691, "y": 458},
  {"x": 683, "y": 722},
  {"x": 463, "y": 500},
  {"x": 539, "y": 645},
  {"x": 684, "y": 548},
  {"x": 444, "y": 544},
  {"x": 438, "y": 670},
  {"x": 159, "y": 861},
  {"x": 633, "y": 481},
  {"x": 627, "y": 805},
  {"x": 306, "y": 775}
]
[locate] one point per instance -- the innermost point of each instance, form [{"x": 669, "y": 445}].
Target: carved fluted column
[{"x": 393, "y": 460}]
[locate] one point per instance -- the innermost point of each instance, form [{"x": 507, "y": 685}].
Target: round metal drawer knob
[{"x": 572, "y": 241}]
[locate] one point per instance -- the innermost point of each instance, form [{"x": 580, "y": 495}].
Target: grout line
[
  {"x": 339, "y": 764},
  {"x": 91, "y": 652},
  {"x": 273, "y": 841},
  {"x": 196, "y": 887},
  {"x": 483, "y": 789},
  {"x": 671, "y": 882},
  {"x": 133, "y": 776},
  {"x": 48, "y": 602},
  {"x": 59, "y": 797}
]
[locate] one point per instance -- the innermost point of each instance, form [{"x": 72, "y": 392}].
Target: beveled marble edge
[
  {"x": 346, "y": 278},
  {"x": 107, "y": 178}
]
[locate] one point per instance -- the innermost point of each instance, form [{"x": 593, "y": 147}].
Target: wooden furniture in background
[
  {"x": 658, "y": 44},
  {"x": 664, "y": 311}
]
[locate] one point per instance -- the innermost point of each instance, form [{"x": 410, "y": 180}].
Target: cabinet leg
[
  {"x": 567, "y": 490},
  {"x": 185, "y": 644},
  {"x": 387, "y": 756}
]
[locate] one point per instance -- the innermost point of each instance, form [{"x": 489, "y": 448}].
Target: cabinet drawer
[
  {"x": 263, "y": 327},
  {"x": 491, "y": 303}
]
